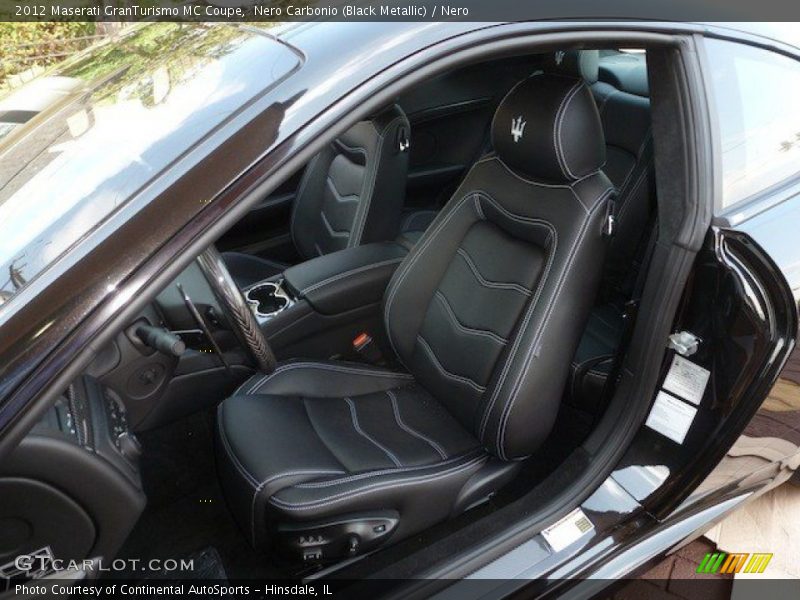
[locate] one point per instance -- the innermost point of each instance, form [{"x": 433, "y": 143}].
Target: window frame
[{"x": 772, "y": 195}]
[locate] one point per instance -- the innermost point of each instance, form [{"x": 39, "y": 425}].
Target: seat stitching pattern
[
  {"x": 497, "y": 285},
  {"x": 479, "y": 208},
  {"x": 359, "y": 231},
  {"x": 576, "y": 368},
  {"x": 537, "y": 183},
  {"x": 557, "y": 142},
  {"x": 274, "y": 478},
  {"x": 502, "y": 422},
  {"x": 338, "y": 276},
  {"x": 234, "y": 459},
  {"x": 410, "y": 261},
  {"x": 337, "y": 195},
  {"x": 396, "y": 409},
  {"x": 459, "y": 378},
  {"x": 333, "y": 499},
  {"x": 331, "y": 231},
  {"x": 360, "y": 476},
  {"x": 431, "y": 233},
  {"x": 552, "y": 242},
  {"x": 366, "y": 436},
  {"x": 464, "y": 328},
  {"x": 325, "y": 367}
]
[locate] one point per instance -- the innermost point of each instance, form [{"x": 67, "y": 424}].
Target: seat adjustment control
[{"x": 314, "y": 543}]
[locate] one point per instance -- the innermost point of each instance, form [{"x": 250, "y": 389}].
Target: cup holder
[{"x": 267, "y": 299}]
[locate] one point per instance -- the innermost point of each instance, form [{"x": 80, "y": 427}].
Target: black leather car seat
[
  {"x": 329, "y": 459},
  {"x": 351, "y": 193},
  {"x": 625, "y": 115}
]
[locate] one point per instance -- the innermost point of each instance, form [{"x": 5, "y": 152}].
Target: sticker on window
[
  {"x": 686, "y": 380},
  {"x": 671, "y": 417}
]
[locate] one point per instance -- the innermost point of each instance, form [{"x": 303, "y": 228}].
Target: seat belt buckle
[{"x": 365, "y": 347}]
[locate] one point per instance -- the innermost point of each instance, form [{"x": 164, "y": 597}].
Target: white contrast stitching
[
  {"x": 338, "y": 196},
  {"x": 557, "y": 147},
  {"x": 365, "y": 435},
  {"x": 499, "y": 285},
  {"x": 327, "y": 367},
  {"x": 501, "y": 428},
  {"x": 406, "y": 428},
  {"x": 459, "y": 378},
  {"x": 321, "y": 502},
  {"x": 273, "y": 478},
  {"x": 234, "y": 459},
  {"x": 479, "y": 208},
  {"x": 552, "y": 235},
  {"x": 358, "y": 232},
  {"x": 342, "y": 480},
  {"x": 464, "y": 328},
  {"x": 331, "y": 231},
  {"x": 539, "y": 183},
  {"x": 361, "y": 269},
  {"x": 405, "y": 267}
]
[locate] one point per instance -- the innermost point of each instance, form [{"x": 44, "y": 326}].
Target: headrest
[
  {"x": 576, "y": 63},
  {"x": 548, "y": 128},
  {"x": 626, "y": 72}
]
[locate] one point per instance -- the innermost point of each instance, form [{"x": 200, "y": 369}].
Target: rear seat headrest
[
  {"x": 547, "y": 128},
  {"x": 626, "y": 72},
  {"x": 577, "y": 63}
]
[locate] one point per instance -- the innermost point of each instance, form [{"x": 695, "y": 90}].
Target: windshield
[{"x": 87, "y": 137}]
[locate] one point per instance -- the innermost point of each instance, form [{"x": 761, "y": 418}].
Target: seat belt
[{"x": 630, "y": 312}]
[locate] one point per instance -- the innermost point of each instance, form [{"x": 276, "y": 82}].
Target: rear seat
[{"x": 625, "y": 114}]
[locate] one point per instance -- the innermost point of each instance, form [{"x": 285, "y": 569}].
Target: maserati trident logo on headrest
[{"x": 518, "y": 128}]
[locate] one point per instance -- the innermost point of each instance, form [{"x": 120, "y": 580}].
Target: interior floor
[{"x": 186, "y": 512}]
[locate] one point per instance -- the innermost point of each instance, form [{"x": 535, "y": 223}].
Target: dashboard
[{"x": 73, "y": 485}]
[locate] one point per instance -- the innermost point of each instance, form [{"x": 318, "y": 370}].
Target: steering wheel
[{"x": 233, "y": 303}]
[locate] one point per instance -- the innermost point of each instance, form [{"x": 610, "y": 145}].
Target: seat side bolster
[
  {"x": 380, "y": 489},
  {"x": 549, "y": 339}
]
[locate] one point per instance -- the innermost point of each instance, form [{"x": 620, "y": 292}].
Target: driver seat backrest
[
  {"x": 487, "y": 309},
  {"x": 352, "y": 192}
]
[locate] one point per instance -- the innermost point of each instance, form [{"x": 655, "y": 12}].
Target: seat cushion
[
  {"x": 362, "y": 439},
  {"x": 247, "y": 269}
]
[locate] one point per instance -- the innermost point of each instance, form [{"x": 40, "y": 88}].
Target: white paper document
[
  {"x": 686, "y": 380},
  {"x": 671, "y": 417}
]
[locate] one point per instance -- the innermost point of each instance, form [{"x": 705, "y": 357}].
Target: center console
[
  {"x": 267, "y": 299},
  {"x": 316, "y": 308}
]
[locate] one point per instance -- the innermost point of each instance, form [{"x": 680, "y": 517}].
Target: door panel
[
  {"x": 742, "y": 433},
  {"x": 266, "y": 228},
  {"x": 450, "y": 117}
]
